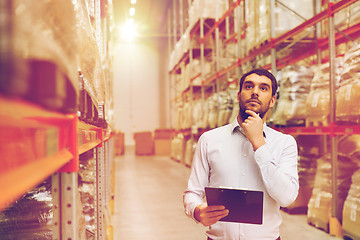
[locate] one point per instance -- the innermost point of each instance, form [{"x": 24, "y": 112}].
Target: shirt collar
[{"x": 235, "y": 127}]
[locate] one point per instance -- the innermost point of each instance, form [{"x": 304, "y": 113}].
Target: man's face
[{"x": 255, "y": 95}]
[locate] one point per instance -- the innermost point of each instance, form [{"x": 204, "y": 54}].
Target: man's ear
[
  {"x": 238, "y": 96},
  {"x": 272, "y": 101}
]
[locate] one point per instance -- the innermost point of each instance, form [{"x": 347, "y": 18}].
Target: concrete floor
[{"x": 148, "y": 203}]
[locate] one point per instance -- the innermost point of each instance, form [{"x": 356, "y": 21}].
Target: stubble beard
[{"x": 245, "y": 115}]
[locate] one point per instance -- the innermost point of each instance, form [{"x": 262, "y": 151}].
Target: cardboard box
[
  {"x": 164, "y": 133},
  {"x": 162, "y": 147},
  {"x": 144, "y": 143},
  {"x": 119, "y": 143}
]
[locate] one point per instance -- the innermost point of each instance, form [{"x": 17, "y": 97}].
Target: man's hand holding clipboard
[{"x": 244, "y": 206}]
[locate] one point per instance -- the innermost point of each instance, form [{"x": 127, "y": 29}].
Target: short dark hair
[{"x": 261, "y": 72}]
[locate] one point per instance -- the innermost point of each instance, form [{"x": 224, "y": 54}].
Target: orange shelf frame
[{"x": 22, "y": 175}]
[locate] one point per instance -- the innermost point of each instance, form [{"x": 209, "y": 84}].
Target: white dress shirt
[{"x": 225, "y": 158}]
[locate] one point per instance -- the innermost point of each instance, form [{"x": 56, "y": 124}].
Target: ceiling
[{"x": 150, "y": 15}]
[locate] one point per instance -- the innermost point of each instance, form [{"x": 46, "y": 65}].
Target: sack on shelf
[
  {"x": 319, "y": 207},
  {"x": 351, "y": 212},
  {"x": 348, "y": 94},
  {"x": 294, "y": 87},
  {"x": 318, "y": 100}
]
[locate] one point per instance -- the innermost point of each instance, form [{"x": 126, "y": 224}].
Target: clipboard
[{"x": 245, "y": 206}]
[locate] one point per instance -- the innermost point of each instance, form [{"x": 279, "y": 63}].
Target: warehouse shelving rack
[
  {"x": 40, "y": 143},
  {"x": 301, "y": 48}
]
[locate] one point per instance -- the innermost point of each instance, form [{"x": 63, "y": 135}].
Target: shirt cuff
[{"x": 261, "y": 153}]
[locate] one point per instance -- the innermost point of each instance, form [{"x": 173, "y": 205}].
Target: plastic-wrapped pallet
[
  {"x": 225, "y": 108},
  {"x": 205, "y": 9},
  {"x": 319, "y": 207},
  {"x": 213, "y": 110},
  {"x": 178, "y": 147},
  {"x": 343, "y": 19},
  {"x": 187, "y": 116},
  {"x": 90, "y": 62},
  {"x": 309, "y": 150},
  {"x": 189, "y": 151},
  {"x": 318, "y": 100},
  {"x": 87, "y": 176},
  {"x": 41, "y": 52},
  {"x": 258, "y": 18},
  {"x": 30, "y": 217},
  {"x": 294, "y": 88},
  {"x": 351, "y": 212},
  {"x": 348, "y": 94},
  {"x": 199, "y": 116},
  {"x": 236, "y": 108}
]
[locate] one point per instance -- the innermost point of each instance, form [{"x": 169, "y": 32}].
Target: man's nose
[{"x": 255, "y": 92}]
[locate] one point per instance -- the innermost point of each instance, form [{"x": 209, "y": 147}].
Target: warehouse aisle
[{"x": 148, "y": 203}]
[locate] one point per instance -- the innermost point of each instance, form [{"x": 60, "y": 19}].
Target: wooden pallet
[
  {"x": 350, "y": 119},
  {"x": 295, "y": 210},
  {"x": 316, "y": 122},
  {"x": 319, "y": 224},
  {"x": 350, "y": 236}
]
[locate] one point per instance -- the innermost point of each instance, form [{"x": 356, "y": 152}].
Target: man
[{"x": 245, "y": 154}]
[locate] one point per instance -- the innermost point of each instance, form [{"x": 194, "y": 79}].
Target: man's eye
[
  {"x": 248, "y": 86},
  {"x": 264, "y": 88}
]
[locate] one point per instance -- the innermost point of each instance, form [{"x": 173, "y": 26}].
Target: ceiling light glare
[
  {"x": 132, "y": 11},
  {"x": 133, "y": 1},
  {"x": 129, "y": 31}
]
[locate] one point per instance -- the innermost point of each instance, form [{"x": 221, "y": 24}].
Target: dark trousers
[{"x": 276, "y": 239}]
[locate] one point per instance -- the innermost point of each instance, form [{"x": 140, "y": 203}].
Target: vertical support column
[
  {"x": 97, "y": 13},
  {"x": 174, "y": 23},
  {"x": 99, "y": 196},
  {"x": 170, "y": 112},
  {"x": 64, "y": 192},
  {"x": 272, "y": 37},
  {"x": 218, "y": 54},
  {"x": 317, "y": 9},
  {"x": 55, "y": 193},
  {"x": 238, "y": 28},
  {"x": 202, "y": 64},
  {"x": 69, "y": 223},
  {"x": 181, "y": 13},
  {"x": 335, "y": 227}
]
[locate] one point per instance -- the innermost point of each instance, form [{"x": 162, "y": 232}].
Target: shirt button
[
  {"x": 243, "y": 173},
  {"x": 244, "y": 155}
]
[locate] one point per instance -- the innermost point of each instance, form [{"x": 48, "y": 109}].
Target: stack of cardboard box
[{"x": 163, "y": 139}]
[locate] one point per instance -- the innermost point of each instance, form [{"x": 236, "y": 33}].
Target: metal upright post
[
  {"x": 64, "y": 192},
  {"x": 332, "y": 56},
  {"x": 202, "y": 64},
  {"x": 99, "y": 196},
  {"x": 169, "y": 55},
  {"x": 317, "y": 9},
  {"x": 218, "y": 53},
  {"x": 181, "y": 12},
  {"x": 55, "y": 193},
  {"x": 272, "y": 37},
  {"x": 238, "y": 29}
]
